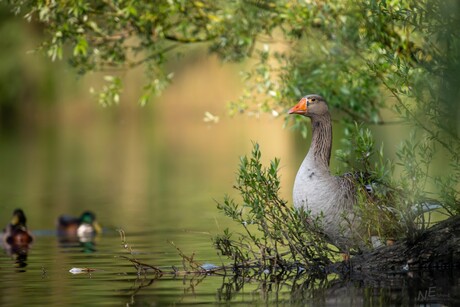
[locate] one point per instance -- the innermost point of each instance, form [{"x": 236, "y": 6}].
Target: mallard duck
[
  {"x": 15, "y": 233},
  {"x": 83, "y": 226}
]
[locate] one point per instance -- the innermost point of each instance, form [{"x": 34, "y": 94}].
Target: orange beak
[{"x": 300, "y": 107}]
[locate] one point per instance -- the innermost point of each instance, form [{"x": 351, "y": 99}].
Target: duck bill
[
  {"x": 97, "y": 227},
  {"x": 299, "y": 108},
  {"x": 15, "y": 220}
]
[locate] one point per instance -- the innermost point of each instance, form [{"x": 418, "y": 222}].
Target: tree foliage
[{"x": 363, "y": 56}]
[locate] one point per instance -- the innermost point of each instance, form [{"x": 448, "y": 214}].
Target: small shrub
[{"x": 276, "y": 236}]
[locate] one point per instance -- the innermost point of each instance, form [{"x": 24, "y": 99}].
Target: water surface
[{"x": 156, "y": 173}]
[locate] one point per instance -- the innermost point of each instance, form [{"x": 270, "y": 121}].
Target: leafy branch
[{"x": 276, "y": 237}]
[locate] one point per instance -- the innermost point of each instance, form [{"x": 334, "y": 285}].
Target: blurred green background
[
  {"x": 157, "y": 170},
  {"x": 62, "y": 152}
]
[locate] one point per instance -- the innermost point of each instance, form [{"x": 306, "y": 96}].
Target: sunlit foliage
[{"x": 363, "y": 56}]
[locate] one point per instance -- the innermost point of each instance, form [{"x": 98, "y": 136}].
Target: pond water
[
  {"x": 151, "y": 221},
  {"x": 156, "y": 174},
  {"x": 46, "y": 280}
]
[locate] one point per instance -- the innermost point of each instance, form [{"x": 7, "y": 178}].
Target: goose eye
[{"x": 314, "y": 99}]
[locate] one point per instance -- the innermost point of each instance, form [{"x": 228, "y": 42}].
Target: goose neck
[{"x": 321, "y": 142}]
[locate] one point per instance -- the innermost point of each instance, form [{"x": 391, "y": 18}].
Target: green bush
[{"x": 276, "y": 237}]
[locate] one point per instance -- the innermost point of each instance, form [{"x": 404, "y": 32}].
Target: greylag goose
[
  {"x": 332, "y": 197},
  {"x": 315, "y": 189}
]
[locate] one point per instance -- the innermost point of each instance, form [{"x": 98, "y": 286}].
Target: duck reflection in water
[
  {"x": 78, "y": 231},
  {"x": 16, "y": 239}
]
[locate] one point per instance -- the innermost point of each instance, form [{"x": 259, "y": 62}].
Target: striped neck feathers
[{"x": 321, "y": 141}]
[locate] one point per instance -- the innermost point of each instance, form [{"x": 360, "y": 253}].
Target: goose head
[{"x": 310, "y": 106}]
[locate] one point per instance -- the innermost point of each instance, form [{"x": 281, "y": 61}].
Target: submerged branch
[{"x": 140, "y": 266}]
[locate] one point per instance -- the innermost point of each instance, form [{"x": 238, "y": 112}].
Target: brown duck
[{"x": 16, "y": 233}]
